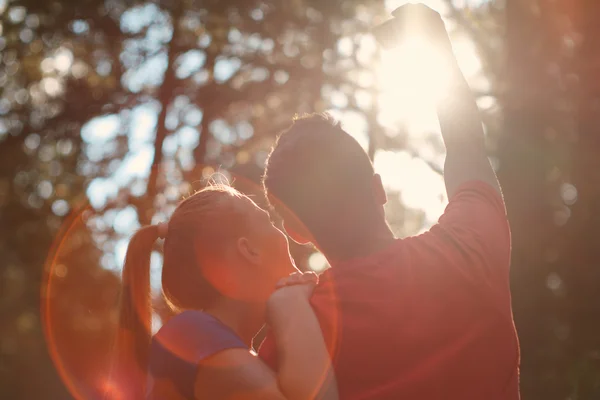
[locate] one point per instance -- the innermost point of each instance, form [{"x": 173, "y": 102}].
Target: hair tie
[{"x": 163, "y": 228}]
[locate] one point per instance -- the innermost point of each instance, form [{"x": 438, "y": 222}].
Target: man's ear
[
  {"x": 249, "y": 252},
  {"x": 378, "y": 190}
]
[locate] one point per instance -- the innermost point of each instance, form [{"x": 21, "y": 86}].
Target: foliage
[{"x": 111, "y": 111}]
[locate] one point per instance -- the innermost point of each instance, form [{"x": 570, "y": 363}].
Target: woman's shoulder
[
  {"x": 193, "y": 335},
  {"x": 180, "y": 345},
  {"x": 187, "y": 320}
]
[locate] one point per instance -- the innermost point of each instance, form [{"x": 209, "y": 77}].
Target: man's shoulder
[{"x": 352, "y": 278}]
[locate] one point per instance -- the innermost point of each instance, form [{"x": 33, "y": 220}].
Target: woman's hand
[
  {"x": 290, "y": 293},
  {"x": 298, "y": 278}
]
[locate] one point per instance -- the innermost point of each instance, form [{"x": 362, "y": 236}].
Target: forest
[{"x": 111, "y": 111}]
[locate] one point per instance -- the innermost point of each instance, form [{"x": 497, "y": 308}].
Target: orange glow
[
  {"x": 84, "y": 375},
  {"x": 46, "y": 306},
  {"x": 81, "y": 360},
  {"x": 111, "y": 389}
]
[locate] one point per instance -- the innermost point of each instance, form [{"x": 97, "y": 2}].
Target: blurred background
[{"x": 112, "y": 110}]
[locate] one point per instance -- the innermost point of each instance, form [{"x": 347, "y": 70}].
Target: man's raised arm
[
  {"x": 462, "y": 130},
  {"x": 473, "y": 230},
  {"x": 460, "y": 122}
]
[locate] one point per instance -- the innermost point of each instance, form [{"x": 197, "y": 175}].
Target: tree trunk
[
  {"x": 165, "y": 97},
  {"x": 530, "y": 171},
  {"x": 582, "y": 275}
]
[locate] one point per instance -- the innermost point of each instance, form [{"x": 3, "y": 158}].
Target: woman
[{"x": 223, "y": 259}]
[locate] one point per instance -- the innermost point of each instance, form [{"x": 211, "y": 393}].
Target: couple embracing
[{"x": 424, "y": 318}]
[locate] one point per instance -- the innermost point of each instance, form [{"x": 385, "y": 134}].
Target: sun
[
  {"x": 412, "y": 75},
  {"x": 411, "y": 79},
  {"x": 415, "y": 75}
]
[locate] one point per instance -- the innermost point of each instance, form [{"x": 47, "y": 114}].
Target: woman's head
[{"x": 218, "y": 244}]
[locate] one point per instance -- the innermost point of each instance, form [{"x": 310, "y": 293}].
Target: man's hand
[
  {"x": 460, "y": 122},
  {"x": 413, "y": 20}
]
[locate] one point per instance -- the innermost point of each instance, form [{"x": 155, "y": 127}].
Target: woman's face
[{"x": 265, "y": 250}]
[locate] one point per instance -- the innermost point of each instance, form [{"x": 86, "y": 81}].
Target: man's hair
[{"x": 322, "y": 175}]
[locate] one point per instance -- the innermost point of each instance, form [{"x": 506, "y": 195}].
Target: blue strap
[{"x": 182, "y": 343}]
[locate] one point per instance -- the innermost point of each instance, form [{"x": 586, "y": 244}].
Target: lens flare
[
  {"x": 77, "y": 357},
  {"x": 79, "y": 314}
]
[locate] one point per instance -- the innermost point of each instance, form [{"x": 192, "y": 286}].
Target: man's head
[{"x": 322, "y": 183}]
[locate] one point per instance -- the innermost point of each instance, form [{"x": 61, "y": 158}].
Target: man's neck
[{"x": 370, "y": 241}]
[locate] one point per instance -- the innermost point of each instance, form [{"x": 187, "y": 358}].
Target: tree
[
  {"x": 87, "y": 87},
  {"x": 111, "y": 111},
  {"x": 545, "y": 154},
  {"x": 40, "y": 153}
]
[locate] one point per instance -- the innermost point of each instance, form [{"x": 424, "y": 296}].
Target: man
[{"x": 426, "y": 317}]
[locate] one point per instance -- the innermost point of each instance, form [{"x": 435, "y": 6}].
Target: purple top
[{"x": 180, "y": 345}]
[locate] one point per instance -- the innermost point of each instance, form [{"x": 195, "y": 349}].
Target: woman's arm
[
  {"x": 305, "y": 368},
  {"x": 236, "y": 374}
]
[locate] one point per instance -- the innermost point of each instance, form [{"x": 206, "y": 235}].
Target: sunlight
[
  {"x": 136, "y": 164},
  {"x": 415, "y": 74},
  {"x": 100, "y": 130},
  {"x": 63, "y": 59},
  {"x": 412, "y": 75},
  {"x": 317, "y": 262},
  {"x": 411, "y": 78},
  {"x": 467, "y": 57},
  {"x": 418, "y": 185}
]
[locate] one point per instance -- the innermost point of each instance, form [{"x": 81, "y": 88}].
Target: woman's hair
[{"x": 198, "y": 229}]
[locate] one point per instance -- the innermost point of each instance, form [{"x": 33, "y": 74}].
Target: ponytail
[{"x": 132, "y": 341}]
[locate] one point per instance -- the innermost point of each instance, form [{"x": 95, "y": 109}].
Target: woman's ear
[{"x": 249, "y": 252}]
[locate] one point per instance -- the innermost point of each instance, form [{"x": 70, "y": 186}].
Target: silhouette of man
[{"x": 425, "y": 317}]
